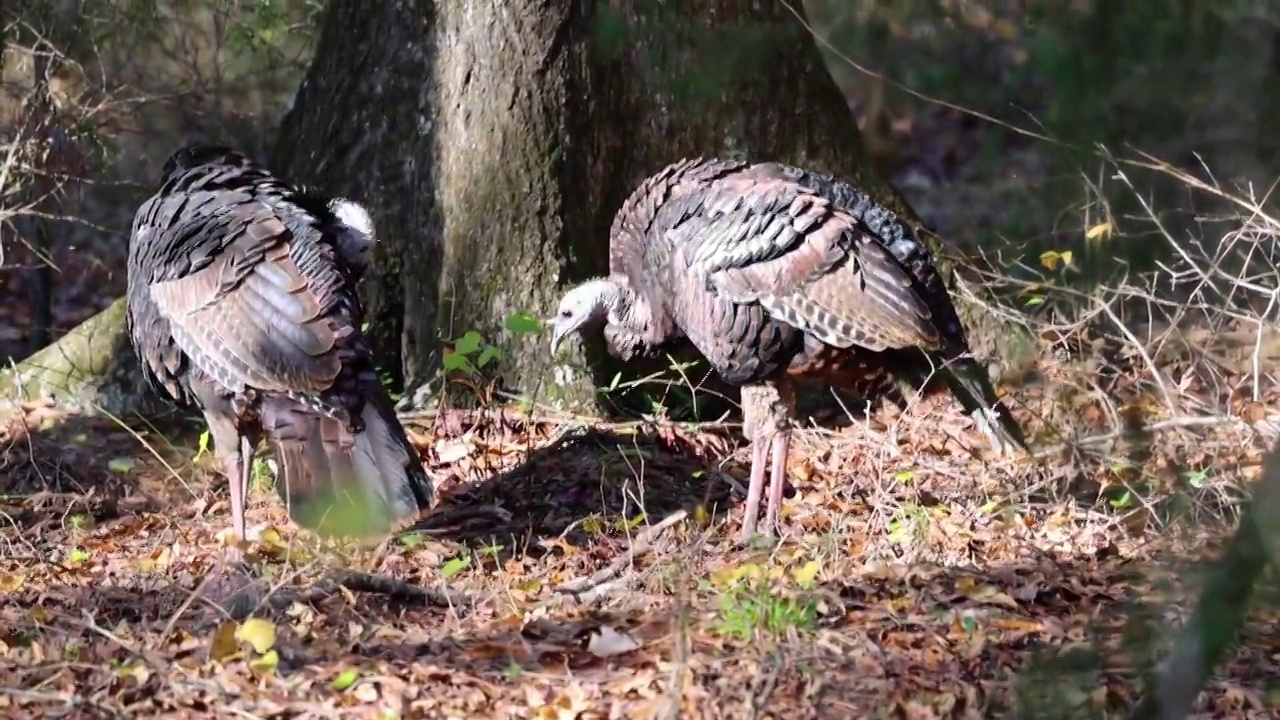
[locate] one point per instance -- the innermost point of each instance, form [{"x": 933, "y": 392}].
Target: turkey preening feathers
[
  {"x": 242, "y": 302},
  {"x": 772, "y": 271}
]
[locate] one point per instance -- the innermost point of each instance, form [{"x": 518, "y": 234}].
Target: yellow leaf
[
  {"x": 701, "y": 515},
  {"x": 724, "y": 576},
  {"x": 748, "y": 571},
  {"x": 265, "y": 663},
  {"x": 137, "y": 671},
  {"x": 223, "y": 645},
  {"x": 11, "y": 583},
  {"x": 1066, "y": 257},
  {"x": 259, "y": 633},
  {"x": 271, "y": 537},
  {"x": 1101, "y": 231},
  {"x": 806, "y": 574},
  {"x": 1050, "y": 259}
]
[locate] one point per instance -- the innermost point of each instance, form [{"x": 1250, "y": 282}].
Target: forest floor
[{"x": 588, "y": 571}]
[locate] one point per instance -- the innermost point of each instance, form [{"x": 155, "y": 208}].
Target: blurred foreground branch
[{"x": 1220, "y": 614}]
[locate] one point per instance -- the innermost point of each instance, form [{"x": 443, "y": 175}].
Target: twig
[
  {"x": 643, "y": 543},
  {"x": 385, "y": 585},
  {"x": 763, "y": 689},
  {"x": 1173, "y": 424},
  {"x": 555, "y": 417},
  {"x": 449, "y": 519}
]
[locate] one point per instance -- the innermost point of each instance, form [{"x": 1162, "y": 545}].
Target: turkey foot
[
  {"x": 778, "y": 485},
  {"x": 235, "y": 574},
  {"x": 766, "y": 412}
]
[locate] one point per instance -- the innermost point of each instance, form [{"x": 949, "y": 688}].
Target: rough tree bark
[{"x": 495, "y": 143}]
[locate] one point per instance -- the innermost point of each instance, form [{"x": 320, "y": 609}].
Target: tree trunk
[{"x": 495, "y": 142}]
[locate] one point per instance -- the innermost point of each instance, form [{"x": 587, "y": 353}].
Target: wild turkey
[
  {"x": 771, "y": 272},
  {"x": 242, "y": 302}
]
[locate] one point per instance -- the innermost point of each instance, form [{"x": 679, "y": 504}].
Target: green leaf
[
  {"x": 120, "y": 465},
  {"x": 455, "y": 361},
  {"x": 412, "y": 540},
  {"x": 1035, "y": 300},
  {"x": 345, "y": 679},
  {"x": 266, "y": 663},
  {"x": 522, "y": 324},
  {"x": 203, "y": 447},
  {"x": 1196, "y": 478},
  {"x": 454, "y": 566},
  {"x": 468, "y": 343},
  {"x": 487, "y": 355}
]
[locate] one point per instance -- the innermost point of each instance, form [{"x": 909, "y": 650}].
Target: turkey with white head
[
  {"x": 772, "y": 271},
  {"x": 242, "y": 303}
]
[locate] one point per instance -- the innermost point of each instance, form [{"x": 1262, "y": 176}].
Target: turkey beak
[{"x": 557, "y": 335}]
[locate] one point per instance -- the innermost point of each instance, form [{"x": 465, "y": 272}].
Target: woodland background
[{"x": 1101, "y": 174}]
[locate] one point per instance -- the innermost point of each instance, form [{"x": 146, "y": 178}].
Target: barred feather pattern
[
  {"x": 241, "y": 302},
  {"x": 771, "y": 269}
]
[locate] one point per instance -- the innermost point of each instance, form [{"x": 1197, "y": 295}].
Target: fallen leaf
[
  {"x": 11, "y": 582},
  {"x": 808, "y": 573},
  {"x": 137, "y": 671},
  {"x": 259, "y": 633},
  {"x": 606, "y": 642},
  {"x": 266, "y": 663},
  {"x": 451, "y": 451},
  {"x": 223, "y": 646},
  {"x": 345, "y": 679},
  {"x": 121, "y": 465}
]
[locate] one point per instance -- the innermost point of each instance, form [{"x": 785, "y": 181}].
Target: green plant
[
  {"x": 470, "y": 353},
  {"x": 753, "y": 598}
]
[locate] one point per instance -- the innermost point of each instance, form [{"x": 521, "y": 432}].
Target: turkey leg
[
  {"x": 755, "y": 488},
  {"x": 777, "y": 479},
  {"x": 238, "y": 467}
]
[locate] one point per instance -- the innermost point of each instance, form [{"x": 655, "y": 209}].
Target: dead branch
[
  {"x": 642, "y": 544},
  {"x": 246, "y": 600}
]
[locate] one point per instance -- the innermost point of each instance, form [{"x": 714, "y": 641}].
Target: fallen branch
[
  {"x": 643, "y": 543},
  {"x": 89, "y": 368},
  {"x": 245, "y": 601}
]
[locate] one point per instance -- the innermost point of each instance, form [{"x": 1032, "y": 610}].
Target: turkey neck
[{"x": 625, "y": 308}]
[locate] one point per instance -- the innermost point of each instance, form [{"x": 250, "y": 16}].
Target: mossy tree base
[{"x": 90, "y": 369}]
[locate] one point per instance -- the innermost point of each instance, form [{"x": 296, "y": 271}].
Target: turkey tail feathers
[
  {"x": 970, "y": 385},
  {"x": 339, "y": 482}
]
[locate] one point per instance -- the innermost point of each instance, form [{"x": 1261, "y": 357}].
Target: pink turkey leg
[
  {"x": 755, "y": 489},
  {"x": 238, "y": 480},
  {"x": 777, "y": 480}
]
